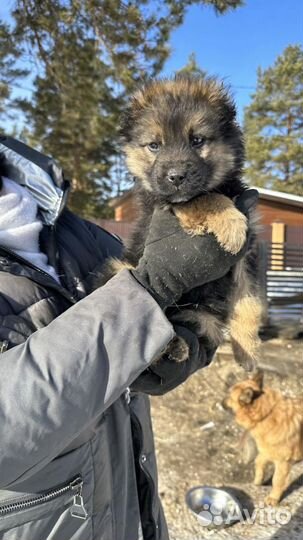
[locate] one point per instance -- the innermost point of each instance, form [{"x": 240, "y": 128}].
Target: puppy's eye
[
  {"x": 196, "y": 141},
  {"x": 153, "y": 146}
]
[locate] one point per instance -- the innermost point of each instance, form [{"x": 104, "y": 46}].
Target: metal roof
[{"x": 280, "y": 196}]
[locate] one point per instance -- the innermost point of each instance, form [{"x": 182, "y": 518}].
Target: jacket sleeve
[{"x": 65, "y": 375}]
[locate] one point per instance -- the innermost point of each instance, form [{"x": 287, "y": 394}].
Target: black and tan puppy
[{"x": 185, "y": 149}]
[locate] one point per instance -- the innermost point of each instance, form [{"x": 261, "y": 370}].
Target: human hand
[
  {"x": 165, "y": 374},
  {"x": 174, "y": 262}
]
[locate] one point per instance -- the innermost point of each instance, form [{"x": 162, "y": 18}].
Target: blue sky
[
  {"x": 231, "y": 46},
  {"x": 234, "y": 45}
]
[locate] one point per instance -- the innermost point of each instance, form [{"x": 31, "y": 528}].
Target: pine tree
[
  {"x": 274, "y": 125},
  {"x": 91, "y": 55},
  {"x": 192, "y": 67},
  {"x": 9, "y": 73},
  {"x": 80, "y": 128}
]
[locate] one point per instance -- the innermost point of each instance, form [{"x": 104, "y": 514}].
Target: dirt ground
[{"x": 190, "y": 454}]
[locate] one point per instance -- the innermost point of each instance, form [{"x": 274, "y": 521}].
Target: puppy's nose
[{"x": 175, "y": 177}]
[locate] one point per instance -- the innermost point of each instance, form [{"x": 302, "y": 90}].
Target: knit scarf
[{"x": 20, "y": 227}]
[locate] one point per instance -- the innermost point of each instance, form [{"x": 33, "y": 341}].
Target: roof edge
[
  {"x": 279, "y": 196},
  {"x": 267, "y": 194}
]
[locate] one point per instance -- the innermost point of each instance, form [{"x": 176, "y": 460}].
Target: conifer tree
[
  {"x": 192, "y": 67},
  {"x": 274, "y": 125},
  {"x": 91, "y": 55},
  {"x": 9, "y": 72}
]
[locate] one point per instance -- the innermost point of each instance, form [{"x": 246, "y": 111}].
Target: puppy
[
  {"x": 185, "y": 150},
  {"x": 275, "y": 423}
]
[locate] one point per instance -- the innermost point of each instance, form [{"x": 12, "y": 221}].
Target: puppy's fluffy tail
[
  {"x": 245, "y": 319},
  {"x": 244, "y": 331}
]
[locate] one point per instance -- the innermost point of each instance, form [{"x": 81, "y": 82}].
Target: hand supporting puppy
[
  {"x": 164, "y": 375},
  {"x": 174, "y": 262}
]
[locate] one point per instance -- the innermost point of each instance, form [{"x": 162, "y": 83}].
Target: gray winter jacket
[{"x": 77, "y": 458}]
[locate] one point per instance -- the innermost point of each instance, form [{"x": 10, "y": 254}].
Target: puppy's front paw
[
  {"x": 216, "y": 214},
  {"x": 232, "y": 232},
  {"x": 227, "y": 223},
  {"x": 271, "y": 501},
  {"x": 177, "y": 350}
]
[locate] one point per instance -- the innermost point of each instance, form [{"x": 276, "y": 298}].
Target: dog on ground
[
  {"x": 275, "y": 423},
  {"x": 185, "y": 150}
]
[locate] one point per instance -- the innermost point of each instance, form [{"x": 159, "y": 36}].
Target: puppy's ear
[
  {"x": 258, "y": 377},
  {"x": 131, "y": 114},
  {"x": 247, "y": 396},
  {"x": 127, "y": 121}
]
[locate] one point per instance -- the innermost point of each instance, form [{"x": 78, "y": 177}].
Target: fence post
[
  {"x": 262, "y": 260},
  {"x": 277, "y": 239}
]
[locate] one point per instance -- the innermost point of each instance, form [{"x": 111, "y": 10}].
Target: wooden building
[{"x": 281, "y": 216}]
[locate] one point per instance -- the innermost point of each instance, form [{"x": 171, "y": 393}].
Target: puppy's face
[
  {"x": 243, "y": 395},
  {"x": 181, "y": 138}
]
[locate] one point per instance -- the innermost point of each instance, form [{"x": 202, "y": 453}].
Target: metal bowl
[{"x": 215, "y": 508}]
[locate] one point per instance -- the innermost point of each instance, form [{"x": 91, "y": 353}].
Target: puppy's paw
[
  {"x": 232, "y": 232},
  {"x": 216, "y": 214},
  {"x": 271, "y": 501},
  {"x": 177, "y": 350},
  {"x": 227, "y": 223}
]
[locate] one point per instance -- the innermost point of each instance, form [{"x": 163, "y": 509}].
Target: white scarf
[{"x": 19, "y": 226}]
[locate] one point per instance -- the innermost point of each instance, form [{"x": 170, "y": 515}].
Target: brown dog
[{"x": 276, "y": 424}]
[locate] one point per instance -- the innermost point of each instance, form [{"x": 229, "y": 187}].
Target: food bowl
[{"x": 214, "y": 507}]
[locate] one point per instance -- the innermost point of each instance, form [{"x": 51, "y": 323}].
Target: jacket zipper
[
  {"x": 3, "y": 346},
  {"x": 77, "y": 509},
  {"x": 148, "y": 476},
  {"x": 25, "y": 262}
]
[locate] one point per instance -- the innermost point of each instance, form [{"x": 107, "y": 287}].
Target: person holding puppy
[{"x": 77, "y": 457}]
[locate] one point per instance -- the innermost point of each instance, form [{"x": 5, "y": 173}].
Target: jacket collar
[{"x": 38, "y": 173}]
